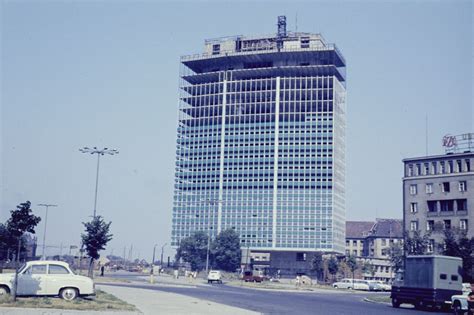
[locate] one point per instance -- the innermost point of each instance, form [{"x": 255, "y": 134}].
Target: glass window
[
  {"x": 430, "y": 248},
  {"x": 432, "y": 205},
  {"x": 57, "y": 270},
  {"x": 429, "y": 188},
  {"x": 463, "y": 224},
  {"x": 447, "y": 224},
  {"x": 445, "y": 187},
  {"x": 413, "y": 207},
  {"x": 36, "y": 270},
  {"x": 429, "y": 225},
  {"x": 462, "y": 186},
  {"x": 413, "y": 225},
  {"x": 413, "y": 189}
]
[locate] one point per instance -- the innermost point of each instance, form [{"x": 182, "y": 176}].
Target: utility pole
[{"x": 46, "y": 205}]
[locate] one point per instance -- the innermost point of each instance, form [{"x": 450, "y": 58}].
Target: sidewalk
[{"x": 156, "y": 302}]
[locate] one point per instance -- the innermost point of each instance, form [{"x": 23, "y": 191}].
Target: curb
[
  {"x": 55, "y": 311},
  {"x": 375, "y": 302}
]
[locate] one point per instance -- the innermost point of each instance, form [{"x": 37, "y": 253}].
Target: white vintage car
[
  {"x": 350, "y": 284},
  {"x": 47, "y": 278},
  {"x": 459, "y": 302}
]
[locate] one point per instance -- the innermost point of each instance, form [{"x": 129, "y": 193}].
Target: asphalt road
[{"x": 277, "y": 302}]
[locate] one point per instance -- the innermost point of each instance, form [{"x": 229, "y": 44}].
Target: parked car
[
  {"x": 47, "y": 278},
  {"x": 253, "y": 276},
  {"x": 459, "y": 302},
  {"x": 214, "y": 276},
  {"x": 352, "y": 284},
  {"x": 377, "y": 285}
]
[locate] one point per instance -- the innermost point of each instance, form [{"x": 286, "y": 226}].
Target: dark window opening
[
  {"x": 446, "y": 205},
  {"x": 454, "y": 278},
  {"x": 446, "y": 187},
  {"x": 432, "y": 206},
  {"x": 216, "y": 49},
  {"x": 461, "y": 204},
  {"x": 300, "y": 256},
  {"x": 443, "y": 276}
]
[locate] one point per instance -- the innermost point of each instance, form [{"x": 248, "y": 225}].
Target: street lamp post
[
  {"x": 46, "y": 205},
  {"x": 99, "y": 152},
  {"x": 210, "y": 202},
  {"x": 152, "y": 280},
  {"x": 162, "y": 248}
]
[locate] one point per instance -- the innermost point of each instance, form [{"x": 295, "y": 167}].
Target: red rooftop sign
[{"x": 459, "y": 143}]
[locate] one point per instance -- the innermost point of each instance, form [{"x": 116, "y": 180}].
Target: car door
[
  {"x": 32, "y": 281},
  {"x": 57, "y": 278}
]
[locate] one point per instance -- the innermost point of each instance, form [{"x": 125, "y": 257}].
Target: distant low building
[{"x": 370, "y": 241}]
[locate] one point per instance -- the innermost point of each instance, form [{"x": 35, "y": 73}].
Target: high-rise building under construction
[{"x": 261, "y": 143}]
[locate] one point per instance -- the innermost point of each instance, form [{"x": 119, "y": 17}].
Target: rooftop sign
[{"x": 459, "y": 144}]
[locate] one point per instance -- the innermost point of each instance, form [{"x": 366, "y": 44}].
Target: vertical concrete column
[{"x": 275, "y": 162}]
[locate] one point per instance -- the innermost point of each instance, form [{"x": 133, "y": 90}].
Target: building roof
[
  {"x": 358, "y": 229},
  {"x": 387, "y": 228},
  {"x": 438, "y": 157}
]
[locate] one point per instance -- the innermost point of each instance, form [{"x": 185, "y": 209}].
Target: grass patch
[
  {"x": 99, "y": 280},
  {"x": 101, "y": 302},
  {"x": 379, "y": 298}
]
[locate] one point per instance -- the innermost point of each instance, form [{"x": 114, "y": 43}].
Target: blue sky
[{"x": 103, "y": 73}]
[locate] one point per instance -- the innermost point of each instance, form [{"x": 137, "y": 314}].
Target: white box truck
[{"x": 428, "y": 281}]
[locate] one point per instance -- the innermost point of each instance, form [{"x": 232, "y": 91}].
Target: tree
[
  {"x": 333, "y": 266},
  {"x": 457, "y": 244},
  {"x": 396, "y": 256},
  {"x": 317, "y": 264},
  {"x": 352, "y": 264},
  {"x": 193, "y": 250},
  {"x": 21, "y": 221},
  {"x": 369, "y": 268},
  {"x": 95, "y": 239},
  {"x": 226, "y": 253},
  {"x": 416, "y": 245}
]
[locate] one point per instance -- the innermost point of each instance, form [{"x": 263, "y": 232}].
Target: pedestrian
[
  {"x": 176, "y": 273},
  {"x": 102, "y": 268},
  {"x": 298, "y": 281}
]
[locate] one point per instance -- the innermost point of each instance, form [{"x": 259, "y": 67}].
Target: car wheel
[
  {"x": 69, "y": 294},
  {"x": 335, "y": 287},
  {"x": 349, "y": 288},
  {"x": 4, "y": 291},
  {"x": 457, "y": 309},
  {"x": 395, "y": 303}
]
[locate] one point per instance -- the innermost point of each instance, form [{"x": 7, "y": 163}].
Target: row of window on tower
[{"x": 443, "y": 187}]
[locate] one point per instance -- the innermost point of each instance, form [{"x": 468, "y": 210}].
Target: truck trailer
[{"x": 427, "y": 281}]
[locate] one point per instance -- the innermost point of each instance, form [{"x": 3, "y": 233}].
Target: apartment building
[{"x": 438, "y": 194}]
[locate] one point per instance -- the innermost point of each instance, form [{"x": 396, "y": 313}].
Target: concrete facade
[{"x": 438, "y": 193}]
